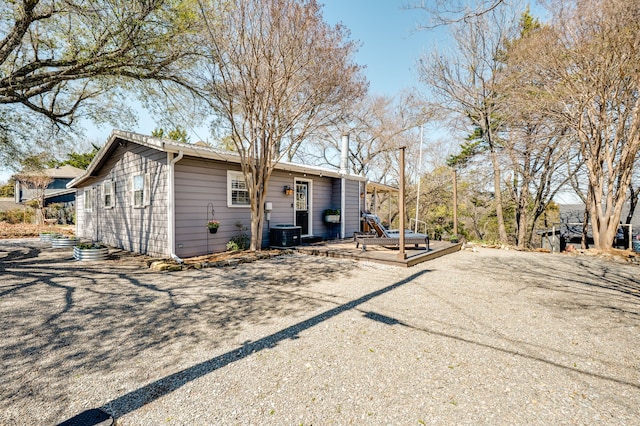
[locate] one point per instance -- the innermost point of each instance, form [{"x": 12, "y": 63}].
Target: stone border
[{"x": 171, "y": 265}]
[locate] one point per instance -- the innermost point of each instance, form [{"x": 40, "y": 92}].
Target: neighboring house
[
  {"x": 571, "y": 216},
  {"x": 155, "y": 196},
  {"x": 8, "y": 204},
  {"x": 55, "y": 192}
]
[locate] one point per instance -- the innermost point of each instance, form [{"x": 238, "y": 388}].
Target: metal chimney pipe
[{"x": 344, "y": 155}]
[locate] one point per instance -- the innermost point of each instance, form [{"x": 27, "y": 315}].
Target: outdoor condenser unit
[{"x": 284, "y": 236}]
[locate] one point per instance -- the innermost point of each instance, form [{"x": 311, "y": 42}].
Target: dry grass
[{"x": 28, "y": 230}]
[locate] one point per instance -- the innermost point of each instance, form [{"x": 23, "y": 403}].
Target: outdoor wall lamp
[{"x": 288, "y": 190}]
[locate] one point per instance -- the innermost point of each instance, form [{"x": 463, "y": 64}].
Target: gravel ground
[{"x": 487, "y": 337}]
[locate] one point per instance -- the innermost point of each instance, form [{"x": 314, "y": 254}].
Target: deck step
[{"x": 310, "y": 239}]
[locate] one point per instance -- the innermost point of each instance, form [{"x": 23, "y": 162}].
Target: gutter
[{"x": 171, "y": 198}]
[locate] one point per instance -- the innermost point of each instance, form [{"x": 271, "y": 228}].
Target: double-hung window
[
  {"x": 140, "y": 190},
  {"x": 237, "y": 190},
  {"x": 88, "y": 199},
  {"x": 109, "y": 194}
]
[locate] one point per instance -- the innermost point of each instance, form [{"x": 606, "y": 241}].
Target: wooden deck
[{"x": 347, "y": 249}]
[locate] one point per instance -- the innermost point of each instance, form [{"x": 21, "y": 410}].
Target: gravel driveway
[{"x": 487, "y": 337}]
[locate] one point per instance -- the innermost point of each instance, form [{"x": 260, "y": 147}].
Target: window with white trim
[
  {"x": 237, "y": 190},
  {"x": 88, "y": 199},
  {"x": 140, "y": 190},
  {"x": 109, "y": 194}
]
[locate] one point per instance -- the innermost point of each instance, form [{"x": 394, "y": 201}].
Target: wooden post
[
  {"x": 455, "y": 202},
  {"x": 401, "y": 254}
]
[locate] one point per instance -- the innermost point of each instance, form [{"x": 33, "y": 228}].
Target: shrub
[{"x": 17, "y": 216}]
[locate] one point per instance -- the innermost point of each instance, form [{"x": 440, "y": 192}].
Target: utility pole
[{"x": 401, "y": 254}]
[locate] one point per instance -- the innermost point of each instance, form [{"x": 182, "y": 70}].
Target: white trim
[
  {"x": 145, "y": 190},
  {"x": 88, "y": 194},
  {"x": 111, "y": 184},
  {"x": 169, "y": 146},
  {"x": 171, "y": 201},
  {"x": 231, "y": 176},
  {"x": 309, "y": 202},
  {"x": 343, "y": 205}
]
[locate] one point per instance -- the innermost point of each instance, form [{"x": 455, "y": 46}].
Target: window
[
  {"x": 140, "y": 190},
  {"x": 88, "y": 199},
  {"x": 108, "y": 194},
  {"x": 237, "y": 191}
]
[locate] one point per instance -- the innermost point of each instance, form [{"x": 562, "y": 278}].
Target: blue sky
[
  {"x": 391, "y": 43},
  {"x": 390, "y": 47}
]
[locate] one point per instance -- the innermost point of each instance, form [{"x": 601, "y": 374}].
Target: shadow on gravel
[
  {"x": 138, "y": 398},
  {"x": 620, "y": 282},
  {"x": 63, "y": 319}
]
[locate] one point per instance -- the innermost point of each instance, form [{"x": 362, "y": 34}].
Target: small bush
[
  {"x": 238, "y": 243},
  {"x": 17, "y": 216}
]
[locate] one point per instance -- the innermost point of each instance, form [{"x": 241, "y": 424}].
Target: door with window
[{"x": 302, "y": 207}]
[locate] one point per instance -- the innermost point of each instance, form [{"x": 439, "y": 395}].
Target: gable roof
[
  {"x": 118, "y": 137},
  {"x": 62, "y": 172}
]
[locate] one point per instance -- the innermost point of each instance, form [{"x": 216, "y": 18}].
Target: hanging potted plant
[
  {"x": 213, "y": 226},
  {"x": 332, "y": 215}
]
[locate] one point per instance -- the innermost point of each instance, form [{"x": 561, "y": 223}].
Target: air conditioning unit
[{"x": 285, "y": 236}]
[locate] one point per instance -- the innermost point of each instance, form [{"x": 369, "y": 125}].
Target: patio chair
[{"x": 387, "y": 237}]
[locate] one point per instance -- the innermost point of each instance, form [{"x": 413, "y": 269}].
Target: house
[
  {"x": 55, "y": 192},
  {"x": 155, "y": 196},
  {"x": 571, "y": 217}
]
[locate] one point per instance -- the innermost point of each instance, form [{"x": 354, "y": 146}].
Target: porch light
[{"x": 288, "y": 190}]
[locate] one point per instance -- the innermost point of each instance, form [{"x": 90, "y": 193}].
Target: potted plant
[
  {"x": 46, "y": 236},
  {"x": 332, "y": 215},
  {"x": 62, "y": 241},
  {"x": 213, "y": 226},
  {"x": 90, "y": 251}
]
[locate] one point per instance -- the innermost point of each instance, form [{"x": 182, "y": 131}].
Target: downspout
[
  {"x": 171, "y": 195},
  {"x": 343, "y": 203},
  {"x": 344, "y": 170}
]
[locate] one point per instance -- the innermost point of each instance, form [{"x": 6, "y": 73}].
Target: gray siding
[
  {"x": 200, "y": 195},
  {"x": 352, "y": 208},
  {"x": 140, "y": 230},
  {"x": 200, "y": 182}
]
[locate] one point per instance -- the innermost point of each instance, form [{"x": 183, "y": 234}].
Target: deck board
[{"x": 347, "y": 249}]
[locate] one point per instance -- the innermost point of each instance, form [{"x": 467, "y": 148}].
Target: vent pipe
[{"x": 344, "y": 155}]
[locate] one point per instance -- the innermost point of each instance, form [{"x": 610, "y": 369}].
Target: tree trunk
[
  {"x": 584, "y": 241},
  {"x": 522, "y": 230},
  {"x": 502, "y": 232},
  {"x": 257, "y": 215},
  {"x": 604, "y": 225}
]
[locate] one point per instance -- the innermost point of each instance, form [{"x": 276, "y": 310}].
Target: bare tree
[
  {"x": 445, "y": 12},
  {"x": 275, "y": 73},
  {"x": 34, "y": 177},
  {"x": 59, "y": 58},
  {"x": 376, "y": 126},
  {"x": 465, "y": 83},
  {"x": 586, "y": 75}
]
